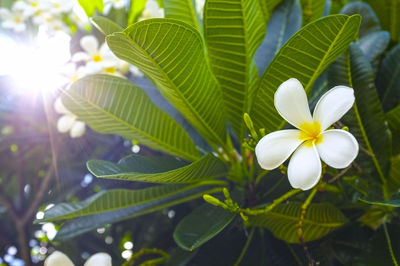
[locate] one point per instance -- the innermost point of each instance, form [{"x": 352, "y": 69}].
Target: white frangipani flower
[
  {"x": 152, "y": 10},
  {"x": 68, "y": 121},
  {"x": 311, "y": 141},
  {"x": 58, "y": 258}
]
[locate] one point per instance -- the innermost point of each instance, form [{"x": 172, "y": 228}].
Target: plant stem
[
  {"x": 389, "y": 243},
  {"x": 246, "y": 246},
  {"x": 276, "y": 202}
]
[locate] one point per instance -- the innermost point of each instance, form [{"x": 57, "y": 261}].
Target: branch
[{"x": 39, "y": 195}]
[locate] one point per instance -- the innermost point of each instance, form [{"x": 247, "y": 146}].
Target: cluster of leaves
[{"x": 209, "y": 71}]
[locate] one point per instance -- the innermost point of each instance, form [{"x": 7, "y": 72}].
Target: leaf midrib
[
  {"x": 174, "y": 87},
  {"x": 186, "y": 188},
  {"x": 163, "y": 144}
]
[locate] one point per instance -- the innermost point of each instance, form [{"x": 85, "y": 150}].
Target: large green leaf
[
  {"x": 105, "y": 25},
  {"x": 304, "y": 56},
  {"x": 201, "y": 225},
  {"x": 145, "y": 201},
  {"x": 233, "y": 30},
  {"x": 369, "y": 23},
  {"x": 374, "y": 45},
  {"x": 114, "y": 105},
  {"x": 312, "y": 10},
  {"x": 284, "y": 22},
  {"x": 90, "y": 6},
  {"x": 394, "y": 173},
  {"x": 268, "y": 7},
  {"x": 135, "y": 10},
  {"x": 171, "y": 53},
  {"x": 320, "y": 219},
  {"x": 394, "y": 202},
  {"x": 184, "y": 10},
  {"x": 388, "y": 80},
  {"x": 393, "y": 118},
  {"x": 388, "y": 12},
  {"x": 366, "y": 119},
  {"x": 158, "y": 170}
]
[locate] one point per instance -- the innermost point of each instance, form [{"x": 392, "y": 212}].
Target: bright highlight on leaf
[{"x": 311, "y": 141}]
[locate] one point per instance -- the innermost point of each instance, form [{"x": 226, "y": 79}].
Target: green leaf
[
  {"x": 304, "y": 56},
  {"x": 369, "y": 23},
  {"x": 284, "y": 22},
  {"x": 201, "y": 225},
  {"x": 90, "y": 6},
  {"x": 394, "y": 202},
  {"x": 268, "y": 7},
  {"x": 183, "y": 10},
  {"x": 171, "y": 54},
  {"x": 320, "y": 220},
  {"x": 388, "y": 80},
  {"x": 114, "y": 105},
  {"x": 388, "y": 13},
  {"x": 158, "y": 170},
  {"x": 312, "y": 10},
  {"x": 394, "y": 173},
  {"x": 233, "y": 30},
  {"x": 374, "y": 45},
  {"x": 145, "y": 200},
  {"x": 393, "y": 118},
  {"x": 105, "y": 25},
  {"x": 116, "y": 205},
  {"x": 368, "y": 112},
  {"x": 135, "y": 10}
]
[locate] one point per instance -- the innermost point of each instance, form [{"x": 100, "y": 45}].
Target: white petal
[
  {"x": 273, "y": 149},
  {"x": 291, "y": 102},
  {"x": 80, "y": 56},
  {"x": 77, "y": 130},
  {"x": 333, "y": 105},
  {"x": 58, "y": 258},
  {"x": 65, "y": 123},
  {"x": 99, "y": 259},
  {"x": 338, "y": 148},
  {"x": 60, "y": 108},
  {"x": 304, "y": 170},
  {"x": 90, "y": 44}
]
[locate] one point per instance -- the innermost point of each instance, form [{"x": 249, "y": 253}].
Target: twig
[
  {"x": 341, "y": 173},
  {"x": 246, "y": 246},
  {"x": 389, "y": 243},
  {"x": 299, "y": 225},
  {"x": 39, "y": 195}
]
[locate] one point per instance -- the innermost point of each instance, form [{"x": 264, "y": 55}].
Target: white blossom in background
[
  {"x": 116, "y": 4},
  {"x": 79, "y": 17},
  {"x": 14, "y": 19},
  {"x": 58, "y": 258},
  {"x": 68, "y": 121},
  {"x": 152, "y": 10},
  {"x": 311, "y": 141},
  {"x": 135, "y": 71},
  {"x": 60, "y": 6},
  {"x": 97, "y": 57},
  {"x": 200, "y": 7}
]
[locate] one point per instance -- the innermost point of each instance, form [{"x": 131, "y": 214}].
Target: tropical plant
[{"x": 209, "y": 70}]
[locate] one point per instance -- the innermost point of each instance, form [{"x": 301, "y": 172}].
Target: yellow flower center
[
  {"x": 110, "y": 70},
  {"x": 97, "y": 58},
  {"x": 311, "y": 133},
  {"x": 18, "y": 19}
]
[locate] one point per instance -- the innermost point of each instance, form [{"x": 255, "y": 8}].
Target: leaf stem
[
  {"x": 389, "y": 243},
  {"x": 246, "y": 246}
]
